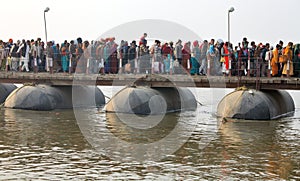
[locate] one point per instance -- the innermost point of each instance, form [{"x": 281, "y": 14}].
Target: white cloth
[
  {"x": 24, "y": 59},
  {"x": 156, "y": 67},
  {"x": 27, "y": 50},
  {"x": 25, "y": 63}
]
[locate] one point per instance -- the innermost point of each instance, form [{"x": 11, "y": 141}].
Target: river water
[{"x": 56, "y": 145}]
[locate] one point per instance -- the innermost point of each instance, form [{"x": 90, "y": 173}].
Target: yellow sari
[
  {"x": 289, "y": 53},
  {"x": 274, "y": 62}
]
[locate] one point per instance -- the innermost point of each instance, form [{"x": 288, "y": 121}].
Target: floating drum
[
  {"x": 146, "y": 100},
  {"x": 5, "y": 90},
  {"x": 256, "y": 105},
  {"x": 44, "y": 97},
  {"x": 33, "y": 98}
]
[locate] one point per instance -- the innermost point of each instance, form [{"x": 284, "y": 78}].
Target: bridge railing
[
  {"x": 243, "y": 66},
  {"x": 257, "y": 67}
]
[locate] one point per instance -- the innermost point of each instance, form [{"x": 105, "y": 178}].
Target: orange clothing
[
  {"x": 226, "y": 52},
  {"x": 274, "y": 62},
  {"x": 289, "y": 53}
]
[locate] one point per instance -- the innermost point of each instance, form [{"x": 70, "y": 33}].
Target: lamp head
[
  {"x": 47, "y": 9},
  {"x": 231, "y": 10}
]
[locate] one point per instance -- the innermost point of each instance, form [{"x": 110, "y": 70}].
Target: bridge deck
[{"x": 154, "y": 80}]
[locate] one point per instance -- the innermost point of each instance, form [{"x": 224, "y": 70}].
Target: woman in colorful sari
[
  {"x": 274, "y": 61},
  {"x": 195, "y": 59},
  {"x": 186, "y": 56},
  {"x": 64, "y": 58},
  {"x": 114, "y": 62},
  {"x": 225, "y": 54},
  {"x": 288, "y": 66},
  {"x": 166, "y": 54}
]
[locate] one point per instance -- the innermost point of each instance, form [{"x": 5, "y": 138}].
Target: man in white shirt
[{"x": 24, "y": 51}]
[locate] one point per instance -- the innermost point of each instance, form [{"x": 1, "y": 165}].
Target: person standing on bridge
[
  {"x": 252, "y": 58},
  {"x": 280, "y": 52},
  {"x": 50, "y": 57},
  {"x": 2, "y": 53},
  {"x": 275, "y": 61},
  {"x": 166, "y": 57},
  {"x": 37, "y": 53},
  {"x": 211, "y": 54},
  {"x": 144, "y": 58},
  {"x": 106, "y": 55},
  {"x": 132, "y": 54},
  {"x": 186, "y": 56},
  {"x": 225, "y": 54},
  {"x": 64, "y": 56},
  {"x": 203, "y": 57},
  {"x": 72, "y": 61},
  {"x": 143, "y": 39},
  {"x": 288, "y": 69},
  {"x": 195, "y": 58},
  {"x": 114, "y": 63},
  {"x": 265, "y": 59},
  {"x": 85, "y": 56},
  {"x": 100, "y": 55},
  {"x": 178, "y": 56},
  {"x": 123, "y": 54},
  {"x": 24, "y": 51},
  {"x": 15, "y": 57},
  {"x": 268, "y": 58}
]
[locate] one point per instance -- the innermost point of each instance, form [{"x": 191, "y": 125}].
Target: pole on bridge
[
  {"x": 230, "y": 61},
  {"x": 269, "y": 69},
  {"x": 70, "y": 64},
  {"x": 20, "y": 64},
  {"x": 248, "y": 68},
  {"x": 102, "y": 67},
  {"x": 87, "y": 66},
  {"x": 120, "y": 66},
  {"x": 51, "y": 65},
  {"x": 228, "y": 26},
  {"x": 6, "y": 65},
  {"x": 288, "y": 69},
  {"x": 35, "y": 68},
  {"x": 208, "y": 66},
  {"x": 171, "y": 66}
]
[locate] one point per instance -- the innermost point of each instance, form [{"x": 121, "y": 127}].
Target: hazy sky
[{"x": 259, "y": 20}]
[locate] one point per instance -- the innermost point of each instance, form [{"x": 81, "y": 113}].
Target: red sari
[{"x": 226, "y": 52}]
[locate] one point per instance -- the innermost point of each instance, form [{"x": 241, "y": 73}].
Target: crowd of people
[{"x": 105, "y": 56}]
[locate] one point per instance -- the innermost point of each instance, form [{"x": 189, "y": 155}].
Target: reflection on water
[
  {"x": 135, "y": 135},
  {"x": 255, "y": 145},
  {"x": 46, "y": 129},
  {"x": 128, "y": 137},
  {"x": 50, "y": 145}
]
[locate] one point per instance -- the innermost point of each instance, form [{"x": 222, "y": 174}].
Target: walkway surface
[{"x": 154, "y": 80}]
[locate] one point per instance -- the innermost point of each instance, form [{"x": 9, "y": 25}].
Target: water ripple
[{"x": 50, "y": 146}]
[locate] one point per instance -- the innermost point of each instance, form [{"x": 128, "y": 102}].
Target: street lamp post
[
  {"x": 46, "y": 10},
  {"x": 48, "y": 64},
  {"x": 229, "y": 11}
]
